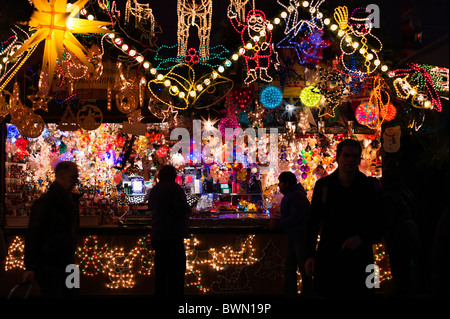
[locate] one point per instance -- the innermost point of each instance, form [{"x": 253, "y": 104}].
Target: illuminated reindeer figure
[
  {"x": 142, "y": 14},
  {"x": 194, "y": 14},
  {"x": 239, "y": 6}
]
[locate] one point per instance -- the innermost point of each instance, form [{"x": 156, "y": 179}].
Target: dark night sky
[
  {"x": 434, "y": 17},
  {"x": 433, "y": 14}
]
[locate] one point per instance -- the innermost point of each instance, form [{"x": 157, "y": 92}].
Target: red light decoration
[
  {"x": 256, "y": 38},
  {"x": 228, "y": 122},
  {"x": 388, "y": 112}
]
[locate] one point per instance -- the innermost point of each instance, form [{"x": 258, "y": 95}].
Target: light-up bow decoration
[
  {"x": 55, "y": 23},
  {"x": 183, "y": 82}
]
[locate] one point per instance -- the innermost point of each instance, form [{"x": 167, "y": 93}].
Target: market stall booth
[{"x": 231, "y": 247}]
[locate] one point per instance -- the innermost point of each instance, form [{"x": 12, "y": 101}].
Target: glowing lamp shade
[
  {"x": 310, "y": 96},
  {"x": 56, "y": 28},
  {"x": 366, "y": 114},
  {"x": 388, "y": 112},
  {"x": 271, "y": 97}
]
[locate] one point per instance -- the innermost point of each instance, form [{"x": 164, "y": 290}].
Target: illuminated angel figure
[
  {"x": 294, "y": 25},
  {"x": 256, "y": 37},
  {"x": 143, "y": 14},
  {"x": 194, "y": 14}
]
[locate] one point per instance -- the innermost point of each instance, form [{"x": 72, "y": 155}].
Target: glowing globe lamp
[
  {"x": 388, "y": 112},
  {"x": 271, "y": 97},
  {"x": 366, "y": 114},
  {"x": 310, "y": 96}
]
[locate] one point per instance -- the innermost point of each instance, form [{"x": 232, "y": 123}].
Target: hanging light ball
[
  {"x": 366, "y": 114},
  {"x": 271, "y": 97},
  {"x": 388, "y": 112},
  {"x": 310, "y": 96},
  {"x": 230, "y": 123}
]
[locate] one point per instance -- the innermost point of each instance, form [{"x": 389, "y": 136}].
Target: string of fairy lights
[
  {"x": 342, "y": 28},
  {"x": 122, "y": 266},
  {"x": 352, "y": 41}
]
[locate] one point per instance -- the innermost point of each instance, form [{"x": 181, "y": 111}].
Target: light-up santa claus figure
[{"x": 256, "y": 37}]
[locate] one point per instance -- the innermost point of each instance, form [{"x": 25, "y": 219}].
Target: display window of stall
[{"x": 117, "y": 170}]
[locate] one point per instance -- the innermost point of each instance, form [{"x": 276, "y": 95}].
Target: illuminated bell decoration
[
  {"x": 310, "y": 96},
  {"x": 271, "y": 97},
  {"x": 388, "y": 112},
  {"x": 366, "y": 114}
]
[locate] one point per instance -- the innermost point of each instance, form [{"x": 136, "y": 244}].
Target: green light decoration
[{"x": 310, "y": 96}]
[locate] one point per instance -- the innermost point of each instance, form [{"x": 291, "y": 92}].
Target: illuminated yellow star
[
  {"x": 328, "y": 110},
  {"x": 135, "y": 117},
  {"x": 55, "y": 24},
  {"x": 40, "y": 101}
]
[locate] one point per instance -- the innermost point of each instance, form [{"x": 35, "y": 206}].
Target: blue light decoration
[
  {"x": 243, "y": 118},
  {"x": 271, "y": 97},
  {"x": 356, "y": 81},
  {"x": 310, "y": 48},
  {"x": 13, "y": 133},
  {"x": 302, "y": 34}
]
